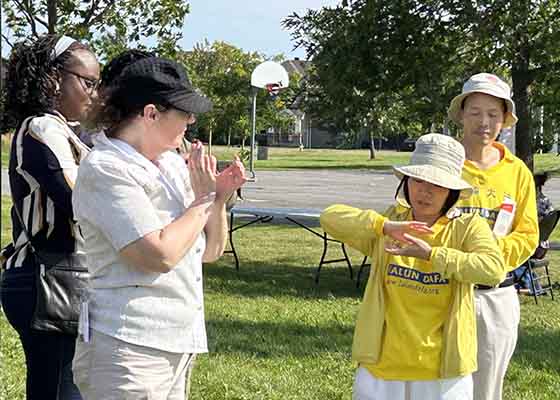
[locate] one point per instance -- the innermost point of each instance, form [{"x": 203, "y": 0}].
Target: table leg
[
  {"x": 347, "y": 261},
  {"x": 230, "y": 234}
]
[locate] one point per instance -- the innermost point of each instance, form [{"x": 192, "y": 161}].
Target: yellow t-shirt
[{"x": 418, "y": 302}]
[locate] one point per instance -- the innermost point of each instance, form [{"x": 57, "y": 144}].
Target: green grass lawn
[
  {"x": 4, "y": 150},
  {"x": 274, "y": 334},
  {"x": 547, "y": 162},
  {"x": 290, "y": 158}
]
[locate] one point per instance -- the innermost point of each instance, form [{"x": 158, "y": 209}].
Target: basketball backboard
[{"x": 270, "y": 72}]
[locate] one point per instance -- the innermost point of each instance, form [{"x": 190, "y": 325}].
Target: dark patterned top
[{"x": 44, "y": 158}]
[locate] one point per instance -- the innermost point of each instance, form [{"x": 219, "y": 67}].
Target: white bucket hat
[
  {"x": 487, "y": 84},
  {"x": 437, "y": 159}
]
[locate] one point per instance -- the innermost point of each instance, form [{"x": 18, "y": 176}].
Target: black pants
[{"x": 48, "y": 356}]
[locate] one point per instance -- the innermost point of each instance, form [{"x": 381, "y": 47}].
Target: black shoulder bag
[{"x": 60, "y": 280}]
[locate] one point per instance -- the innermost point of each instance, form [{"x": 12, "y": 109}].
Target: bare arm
[
  {"x": 227, "y": 182},
  {"x": 216, "y": 232},
  {"x": 161, "y": 251}
]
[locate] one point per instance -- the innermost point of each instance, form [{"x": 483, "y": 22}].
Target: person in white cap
[
  {"x": 504, "y": 194},
  {"x": 414, "y": 336}
]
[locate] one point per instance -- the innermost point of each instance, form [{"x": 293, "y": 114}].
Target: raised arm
[
  {"x": 355, "y": 227},
  {"x": 360, "y": 228},
  {"x": 478, "y": 261},
  {"x": 114, "y": 202}
]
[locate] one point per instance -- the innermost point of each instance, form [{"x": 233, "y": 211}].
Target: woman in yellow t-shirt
[{"x": 415, "y": 336}]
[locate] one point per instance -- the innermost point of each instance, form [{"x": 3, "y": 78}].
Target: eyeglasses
[{"x": 89, "y": 85}]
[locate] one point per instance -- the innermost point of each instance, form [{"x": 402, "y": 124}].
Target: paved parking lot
[{"x": 320, "y": 188}]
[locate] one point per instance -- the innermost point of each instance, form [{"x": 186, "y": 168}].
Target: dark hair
[
  {"x": 452, "y": 197},
  {"x": 114, "y": 67},
  {"x": 504, "y": 103},
  {"x": 540, "y": 179},
  {"x": 109, "y": 112},
  {"x": 33, "y": 78}
]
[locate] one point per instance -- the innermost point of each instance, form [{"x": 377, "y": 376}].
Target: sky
[{"x": 253, "y": 25}]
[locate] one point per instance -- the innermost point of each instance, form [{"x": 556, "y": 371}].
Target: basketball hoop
[
  {"x": 261, "y": 77},
  {"x": 273, "y": 89}
]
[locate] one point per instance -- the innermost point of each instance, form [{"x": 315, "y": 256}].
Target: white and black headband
[{"x": 62, "y": 45}]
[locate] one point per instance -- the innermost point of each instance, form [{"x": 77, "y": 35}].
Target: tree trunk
[
  {"x": 521, "y": 77},
  {"x": 53, "y": 16},
  {"x": 371, "y": 146},
  {"x": 372, "y": 127},
  {"x": 210, "y": 140},
  {"x": 523, "y": 135},
  {"x": 229, "y": 137}
]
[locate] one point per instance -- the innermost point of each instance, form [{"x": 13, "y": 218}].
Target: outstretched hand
[
  {"x": 398, "y": 229},
  {"x": 412, "y": 247},
  {"x": 405, "y": 244},
  {"x": 202, "y": 171},
  {"x": 230, "y": 179}
]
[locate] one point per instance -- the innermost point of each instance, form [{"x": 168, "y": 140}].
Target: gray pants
[
  {"x": 106, "y": 368},
  {"x": 497, "y": 317}
]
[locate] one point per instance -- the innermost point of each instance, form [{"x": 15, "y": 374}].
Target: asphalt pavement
[{"x": 321, "y": 188}]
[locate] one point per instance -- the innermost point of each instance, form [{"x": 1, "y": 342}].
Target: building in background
[{"x": 304, "y": 130}]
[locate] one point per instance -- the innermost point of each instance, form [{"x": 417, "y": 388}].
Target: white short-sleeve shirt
[{"x": 119, "y": 197}]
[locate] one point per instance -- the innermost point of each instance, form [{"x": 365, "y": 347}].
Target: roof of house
[{"x": 296, "y": 66}]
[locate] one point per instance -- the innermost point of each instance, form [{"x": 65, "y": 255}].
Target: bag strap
[{"x": 24, "y": 228}]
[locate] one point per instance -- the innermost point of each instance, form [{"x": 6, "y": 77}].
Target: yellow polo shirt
[{"x": 509, "y": 179}]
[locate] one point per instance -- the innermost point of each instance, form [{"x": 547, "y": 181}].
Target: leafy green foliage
[
  {"x": 223, "y": 72},
  {"x": 109, "y": 26},
  {"x": 370, "y": 55}
]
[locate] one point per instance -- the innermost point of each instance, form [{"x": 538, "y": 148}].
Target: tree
[
  {"x": 518, "y": 36},
  {"x": 362, "y": 54},
  {"x": 223, "y": 72},
  {"x": 423, "y": 51},
  {"x": 108, "y": 25}
]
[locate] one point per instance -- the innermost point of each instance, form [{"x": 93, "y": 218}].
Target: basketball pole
[{"x": 253, "y": 133}]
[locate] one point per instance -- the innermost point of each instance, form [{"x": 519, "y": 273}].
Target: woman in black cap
[
  {"x": 110, "y": 72},
  {"x": 50, "y": 86},
  {"x": 149, "y": 222}
]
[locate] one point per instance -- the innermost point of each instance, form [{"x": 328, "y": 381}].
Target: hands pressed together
[
  {"x": 207, "y": 183},
  {"x": 405, "y": 244}
]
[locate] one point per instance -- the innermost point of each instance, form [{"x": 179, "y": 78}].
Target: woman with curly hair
[{"x": 51, "y": 84}]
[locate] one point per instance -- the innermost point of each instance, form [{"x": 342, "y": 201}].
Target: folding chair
[{"x": 546, "y": 226}]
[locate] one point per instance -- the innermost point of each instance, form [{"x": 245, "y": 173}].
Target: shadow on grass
[
  {"x": 539, "y": 348},
  {"x": 266, "y": 339},
  {"x": 283, "y": 277}
]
